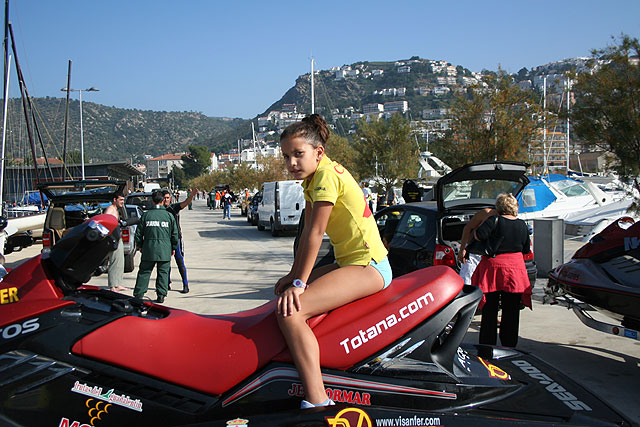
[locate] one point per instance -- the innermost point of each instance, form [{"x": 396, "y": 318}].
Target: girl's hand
[
  {"x": 283, "y": 283},
  {"x": 289, "y": 301}
]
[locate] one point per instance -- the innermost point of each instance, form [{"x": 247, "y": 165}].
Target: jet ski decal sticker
[
  {"x": 494, "y": 371},
  {"x": 65, "y": 422},
  {"x": 337, "y": 395},
  {"x": 16, "y": 329},
  {"x": 350, "y": 417},
  {"x": 9, "y": 295},
  {"x": 109, "y": 396},
  {"x": 552, "y": 387},
  {"x": 279, "y": 374},
  {"x": 380, "y": 327},
  {"x": 410, "y": 421},
  {"x": 238, "y": 422}
]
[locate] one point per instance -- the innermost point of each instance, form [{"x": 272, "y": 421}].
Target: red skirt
[{"x": 505, "y": 272}]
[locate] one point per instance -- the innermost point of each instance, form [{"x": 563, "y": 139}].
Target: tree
[
  {"x": 606, "y": 114},
  {"x": 242, "y": 176},
  {"x": 177, "y": 175},
  {"x": 271, "y": 168},
  {"x": 339, "y": 149},
  {"x": 196, "y": 161},
  {"x": 73, "y": 158},
  {"x": 492, "y": 122},
  {"x": 385, "y": 151}
]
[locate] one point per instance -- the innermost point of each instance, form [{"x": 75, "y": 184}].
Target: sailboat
[{"x": 17, "y": 233}]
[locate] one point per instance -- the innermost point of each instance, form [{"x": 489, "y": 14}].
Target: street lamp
[{"x": 91, "y": 89}]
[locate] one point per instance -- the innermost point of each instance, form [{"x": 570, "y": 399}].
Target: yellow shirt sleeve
[{"x": 326, "y": 187}]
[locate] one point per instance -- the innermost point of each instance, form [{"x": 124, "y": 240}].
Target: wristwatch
[{"x": 299, "y": 284}]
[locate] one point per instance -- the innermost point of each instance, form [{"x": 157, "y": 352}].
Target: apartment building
[
  {"x": 393, "y": 106},
  {"x": 435, "y": 113},
  {"x": 159, "y": 167},
  {"x": 372, "y": 109},
  {"x": 440, "y": 90}
]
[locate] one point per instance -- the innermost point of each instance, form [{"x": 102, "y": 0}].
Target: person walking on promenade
[
  {"x": 218, "y": 197},
  {"x": 115, "y": 272},
  {"x": 226, "y": 204},
  {"x": 335, "y": 205},
  {"x": 174, "y": 209},
  {"x": 211, "y": 200},
  {"x": 156, "y": 235},
  {"x": 503, "y": 278}
]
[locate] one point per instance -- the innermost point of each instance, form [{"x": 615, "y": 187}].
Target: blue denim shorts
[{"x": 384, "y": 268}]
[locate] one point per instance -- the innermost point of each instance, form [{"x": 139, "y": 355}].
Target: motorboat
[{"x": 558, "y": 196}]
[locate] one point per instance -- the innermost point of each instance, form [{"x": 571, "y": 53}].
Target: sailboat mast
[
  {"x": 568, "y": 111},
  {"x": 66, "y": 119},
  {"x": 5, "y": 86},
  {"x": 4, "y": 132},
  {"x": 544, "y": 124},
  {"x": 313, "y": 100},
  {"x": 24, "y": 95}
]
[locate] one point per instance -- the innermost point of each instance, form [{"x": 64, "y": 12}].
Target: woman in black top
[{"x": 503, "y": 278}]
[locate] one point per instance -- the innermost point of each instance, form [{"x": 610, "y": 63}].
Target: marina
[{"x": 232, "y": 267}]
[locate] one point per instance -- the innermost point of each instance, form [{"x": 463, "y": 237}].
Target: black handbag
[{"x": 487, "y": 247}]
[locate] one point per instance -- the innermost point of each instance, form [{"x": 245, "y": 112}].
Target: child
[{"x": 335, "y": 204}]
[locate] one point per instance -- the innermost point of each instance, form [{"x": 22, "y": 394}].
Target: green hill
[{"x": 112, "y": 133}]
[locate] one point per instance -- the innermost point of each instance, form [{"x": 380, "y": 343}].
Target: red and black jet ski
[
  {"x": 605, "y": 273},
  {"x": 73, "y": 355}
]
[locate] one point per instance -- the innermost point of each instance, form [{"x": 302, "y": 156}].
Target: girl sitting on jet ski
[{"x": 335, "y": 205}]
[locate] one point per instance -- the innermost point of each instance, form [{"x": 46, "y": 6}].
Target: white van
[
  {"x": 150, "y": 186},
  {"x": 281, "y": 206}
]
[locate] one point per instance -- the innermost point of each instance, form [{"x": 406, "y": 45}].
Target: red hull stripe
[{"x": 292, "y": 374}]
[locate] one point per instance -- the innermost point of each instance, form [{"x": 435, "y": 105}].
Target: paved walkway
[{"x": 232, "y": 267}]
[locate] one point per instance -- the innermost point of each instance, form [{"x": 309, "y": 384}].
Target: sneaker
[
  {"x": 306, "y": 405},
  {"x": 160, "y": 299}
]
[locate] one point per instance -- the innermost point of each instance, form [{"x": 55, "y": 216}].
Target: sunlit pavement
[{"x": 232, "y": 267}]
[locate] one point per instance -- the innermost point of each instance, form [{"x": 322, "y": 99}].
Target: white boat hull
[{"x": 33, "y": 223}]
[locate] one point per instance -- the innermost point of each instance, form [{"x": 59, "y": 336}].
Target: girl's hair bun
[{"x": 313, "y": 128}]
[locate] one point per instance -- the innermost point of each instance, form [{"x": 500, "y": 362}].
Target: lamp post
[{"x": 91, "y": 89}]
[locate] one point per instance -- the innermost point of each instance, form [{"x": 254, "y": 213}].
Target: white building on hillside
[
  {"x": 372, "y": 108},
  {"x": 214, "y": 163},
  {"x": 159, "y": 167},
  {"x": 401, "y": 106}
]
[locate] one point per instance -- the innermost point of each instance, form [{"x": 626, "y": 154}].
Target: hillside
[
  {"x": 112, "y": 133},
  {"x": 359, "y": 90}
]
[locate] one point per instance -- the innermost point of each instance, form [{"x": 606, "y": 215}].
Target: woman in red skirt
[{"x": 503, "y": 278}]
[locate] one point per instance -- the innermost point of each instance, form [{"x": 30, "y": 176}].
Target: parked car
[
  {"x": 141, "y": 199},
  {"x": 130, "y": 249},
  {"x": 281, "y": 205},
  {"x": 252, "y": 209},
  {"x": 423, "y": 234},
  {"x": 71, "y": 202}
]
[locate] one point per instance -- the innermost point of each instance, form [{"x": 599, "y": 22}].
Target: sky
[{"x": 235, "y": 58}]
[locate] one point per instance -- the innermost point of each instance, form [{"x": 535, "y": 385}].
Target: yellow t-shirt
[{"x": 351, "y": 227}]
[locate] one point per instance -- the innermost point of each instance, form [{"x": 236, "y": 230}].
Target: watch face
[{"x": 299, "y": 283}]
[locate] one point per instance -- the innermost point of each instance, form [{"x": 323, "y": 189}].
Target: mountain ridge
[{"x": 112, "y": 133}]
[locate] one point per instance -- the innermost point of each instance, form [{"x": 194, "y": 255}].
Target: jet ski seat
[{"x": 214, "y": 353}]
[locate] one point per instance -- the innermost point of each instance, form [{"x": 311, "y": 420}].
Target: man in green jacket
[{"x": 157, "y": 236}]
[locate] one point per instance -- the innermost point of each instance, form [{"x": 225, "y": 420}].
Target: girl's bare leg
[{"x": 336, "y": 288}]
